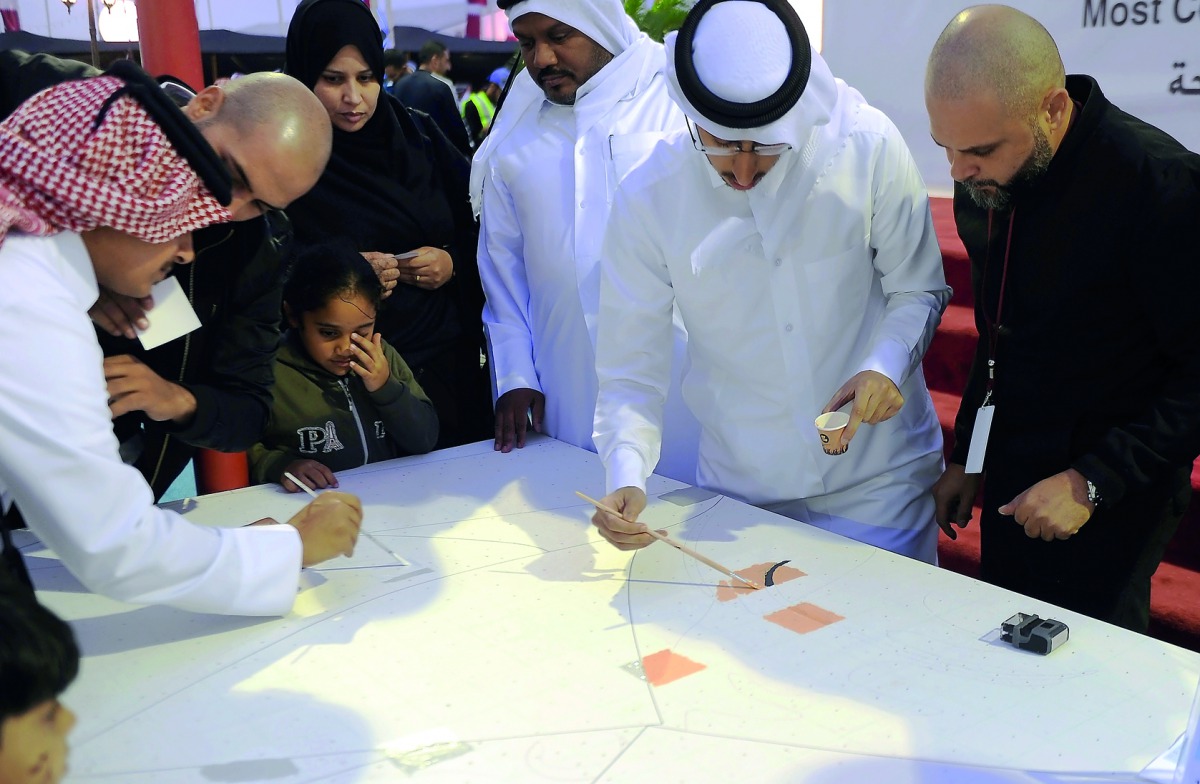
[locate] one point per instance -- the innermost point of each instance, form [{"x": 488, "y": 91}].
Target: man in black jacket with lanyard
[{"x": 1079, "y": 220}]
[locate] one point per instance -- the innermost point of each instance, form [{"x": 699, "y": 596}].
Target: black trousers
[
  {"x": 1104, "y": 570},
  {"x": 461, "y": 393}
]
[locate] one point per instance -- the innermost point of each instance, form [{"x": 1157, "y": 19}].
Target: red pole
[
  {"x": 475, "y": 9},
  {"x": 170, "y": 40},
  {"x": 217, "y": 472}
]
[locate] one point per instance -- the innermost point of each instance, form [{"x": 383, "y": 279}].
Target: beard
[
  {"x": 1000, "y": 196},
  {"x": 597, "y": 59},
  {"x": 559, "y": 96}
]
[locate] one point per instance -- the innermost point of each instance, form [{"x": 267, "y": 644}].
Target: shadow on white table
[{"x": 517, "y": 646}]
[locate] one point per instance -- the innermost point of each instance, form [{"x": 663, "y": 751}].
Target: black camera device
[{"x": 1031, "y": 633}]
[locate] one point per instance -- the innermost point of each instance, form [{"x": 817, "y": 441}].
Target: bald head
[
  {"x": 995, "y": 49},
  {"x": 272, "y": 133},
  {"x": 275, "y": 99},
  {"x": 997, "y": 101}
]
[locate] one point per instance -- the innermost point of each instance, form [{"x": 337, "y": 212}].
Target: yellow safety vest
[{"x": 484, "y": 106}]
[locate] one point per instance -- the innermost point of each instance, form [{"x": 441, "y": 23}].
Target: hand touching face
[{"x": 326, "y": 332}]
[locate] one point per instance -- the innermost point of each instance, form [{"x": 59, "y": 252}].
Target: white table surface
[{"x": 510, "y": 650}]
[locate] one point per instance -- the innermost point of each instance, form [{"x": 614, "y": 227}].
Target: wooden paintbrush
[
  {"x": 677, "y": 545},
  {"x": 361, "y": 531}
]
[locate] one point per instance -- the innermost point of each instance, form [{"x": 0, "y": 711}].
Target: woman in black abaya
[{"x": 396, "y": 186}]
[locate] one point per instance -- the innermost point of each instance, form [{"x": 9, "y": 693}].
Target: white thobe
[
  {"x": 59, "y": 458},
  {"x": 787, "y": 291},
  {"x": 546, "y": 200}
]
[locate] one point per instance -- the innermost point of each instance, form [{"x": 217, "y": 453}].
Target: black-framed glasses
[{"x": 730, "y": 149}]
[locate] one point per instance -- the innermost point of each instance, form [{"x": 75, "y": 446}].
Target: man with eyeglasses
[
  {"x": 211, "y": 388},
  {"x": 789, "y": 227}
]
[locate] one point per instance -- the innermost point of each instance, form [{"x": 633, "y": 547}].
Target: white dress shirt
[
  {"x": 59, "y": 460},
  {"x": 829, "y": 266},
  {"x": 547, "y": 192}
]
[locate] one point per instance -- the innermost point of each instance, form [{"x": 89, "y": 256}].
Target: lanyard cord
[{"x": 994, "y": 327}]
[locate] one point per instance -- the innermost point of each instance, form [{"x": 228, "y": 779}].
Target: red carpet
[{"x": 1175, "y": 598}]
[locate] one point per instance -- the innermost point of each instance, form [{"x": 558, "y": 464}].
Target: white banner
[
  {"x": 1144, "y": 53},
  {"x": 259, "y": 17}
]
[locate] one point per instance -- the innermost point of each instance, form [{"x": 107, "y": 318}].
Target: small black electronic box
[{"x": 1032, "y": 633}]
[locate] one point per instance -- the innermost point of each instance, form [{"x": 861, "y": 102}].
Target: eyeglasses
[
  {"x": 730, "y": 149},
  {"x": 177, "y": 92},
  {"x": 279, "y": 230}
]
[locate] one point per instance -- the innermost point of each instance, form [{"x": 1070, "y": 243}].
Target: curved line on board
[{"x": 769, "y": 580}]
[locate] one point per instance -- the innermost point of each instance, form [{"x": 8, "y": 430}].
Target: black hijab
[
  {"x": 320, "y": 28},
  {"x": 388, "y": 185}
]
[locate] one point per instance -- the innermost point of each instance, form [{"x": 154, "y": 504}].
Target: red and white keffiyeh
[{"x": 68, "y": 162}]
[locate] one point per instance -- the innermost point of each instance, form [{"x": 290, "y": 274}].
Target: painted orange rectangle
[
  {"x": 665, "y": 666},
  {"x": 765, "y": 574},
  {"x": 803, "y": 618}
]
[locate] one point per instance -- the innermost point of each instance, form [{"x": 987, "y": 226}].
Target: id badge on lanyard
[
  {"x": 986, "y": 412},
  {"x": 979, "y": 436}
]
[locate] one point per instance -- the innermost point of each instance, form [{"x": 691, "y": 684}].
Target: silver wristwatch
[{"x": 1094, "y": 497}]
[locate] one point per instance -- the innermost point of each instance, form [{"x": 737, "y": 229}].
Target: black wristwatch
[{"x": 1094, "y": 497}]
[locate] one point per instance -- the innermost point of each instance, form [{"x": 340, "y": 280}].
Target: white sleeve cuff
[
  {"x": 891, "y": 358},
  {"x": 625, "y": 468}
]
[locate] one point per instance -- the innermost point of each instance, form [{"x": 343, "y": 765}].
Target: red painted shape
[
  {"x": 665, "y": 666},
  {"x": 803, "y": 618},
  {"x": 757, "y": 573}
]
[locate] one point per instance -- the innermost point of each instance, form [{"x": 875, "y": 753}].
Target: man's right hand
[
  {"x": 328, "y": 526},
  {"x": 118, "y": 314},
  {"x": 513, "y": 410},
  {"x": 623, "y": 532},
  {"x": 954, "y": 496}
]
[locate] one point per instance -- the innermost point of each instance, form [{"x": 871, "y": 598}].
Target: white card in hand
[
  {"x": 979, "y": 439},
  {"x": 171, "y": 317}
]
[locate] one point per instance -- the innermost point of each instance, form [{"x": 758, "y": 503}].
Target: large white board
[{"x": 516, "y": 646}]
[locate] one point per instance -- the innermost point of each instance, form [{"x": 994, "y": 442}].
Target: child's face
[
  {"x": 33, "y": 746},
  {"x": 325, "y": 333}
]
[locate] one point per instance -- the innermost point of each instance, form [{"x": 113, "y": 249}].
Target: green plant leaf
[{"x": 659, "y": 17}]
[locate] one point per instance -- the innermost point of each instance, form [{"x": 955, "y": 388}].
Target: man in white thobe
[
  {"x": 789, "y": 227},
  {"x": 95, "y": 193},
  {"x": 592, "y": 101}
]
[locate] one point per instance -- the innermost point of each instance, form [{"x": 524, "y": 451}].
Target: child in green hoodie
[{"x": 343, "y": 397}]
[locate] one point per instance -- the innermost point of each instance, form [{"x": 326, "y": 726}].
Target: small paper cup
[{"x": 831, "y": 426}]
